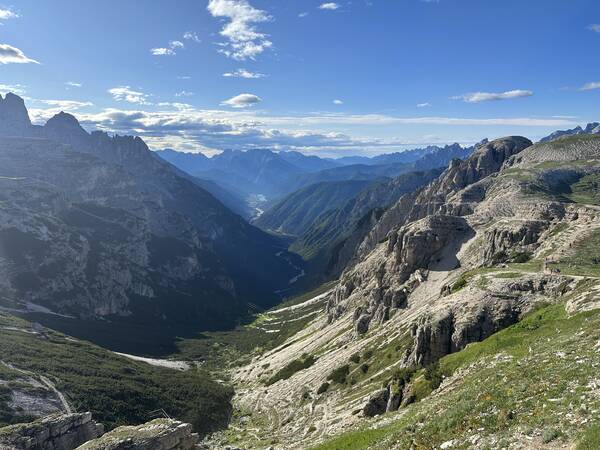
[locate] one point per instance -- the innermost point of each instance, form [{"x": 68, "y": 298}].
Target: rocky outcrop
[
  {"x": 14, "y": 119},
  {"x": 377, "y": 403},
  {"x": 380, "y": 285},
  {"x": 79, "y": 431},
  {"x": 437, "y": 197},
  {"x": 61, "y": 432},
  {"x": 159, "y": 434}
]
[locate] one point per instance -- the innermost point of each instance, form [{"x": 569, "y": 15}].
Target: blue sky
[{"x": 328, "y": 78}]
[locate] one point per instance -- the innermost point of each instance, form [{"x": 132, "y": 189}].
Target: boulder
[
  {"x": 57, "y": 432},
  {"x": 377, "y": 404}
]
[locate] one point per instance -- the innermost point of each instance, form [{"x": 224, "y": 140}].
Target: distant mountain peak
[
  {"x": 63, "y": 120},
  {"x": 14, "y": 118},
  {"x": 591, "y": 128}
]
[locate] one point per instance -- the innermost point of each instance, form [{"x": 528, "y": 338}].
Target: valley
[{"x": 430, "y": 309}]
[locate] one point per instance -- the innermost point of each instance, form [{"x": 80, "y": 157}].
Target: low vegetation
[
  {"x": 297, "y": 365},
  {"x": 116, "y": 390},
  {"x": 537, "y": 379}
]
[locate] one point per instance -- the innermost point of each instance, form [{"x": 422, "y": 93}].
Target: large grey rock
[
  {"x": 159, "y": 434},
  {"x": 377, "y": 403},
  {"x": 59, "y": 432}
]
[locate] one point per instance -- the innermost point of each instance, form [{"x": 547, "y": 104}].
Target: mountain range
[
  {"x": 273, "y": 175},
  {"x": 125, "y": 237}
]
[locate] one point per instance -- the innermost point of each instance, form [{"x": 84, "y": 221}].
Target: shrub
[
  {"x": 499, "y": 257},
  {"x": 403, "y": 376},
  {"x": 339, "y": 375},
  {"x": 458, "y": 285},
  {"x": 323, "y": 388},
  {"x": 355, "y": 358},
  {"x": 434, "y": 375},
  {"x": 295, "y": 366},
  {"x": 368, "y": 354},
  {"x": 549, "y": 435},
  {"x": 364, "y": 368},
  {"x": 520, "y": 257}
]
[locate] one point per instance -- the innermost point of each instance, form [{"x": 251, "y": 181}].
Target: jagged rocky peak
[
  {"x": 488, "y": 158},
  {"x": 14, "y": 119},
  {"x": 591, "y": 128}
]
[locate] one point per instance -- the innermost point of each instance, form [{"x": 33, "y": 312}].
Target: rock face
[
  {"x": 96, "y": 225},
  {"x": 438, "y": 196},
  {"x": 79, "y": 431},
  {"x": 422, "y": 230},
  {"x": 159, "y": 434},
  {"x": 62, "y": 432},
  {"x": 337, "y": 231}
]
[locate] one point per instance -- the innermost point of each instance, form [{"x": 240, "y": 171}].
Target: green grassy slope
[
  {"x": 116, "y": 390},
  {"x": 536, "y": 380}
]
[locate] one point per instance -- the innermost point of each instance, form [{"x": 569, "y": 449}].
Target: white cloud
[
  {"x": 54, "y": 107},
  {"x": 12, "y": 55},
  {"x": 67, "y": 104},
  {"x": 331, "y": 6},
  {"x": 595, "y": 27},
  {"x": 591, "y": 86},
  {"x": 14, "y": 88},
  {"x": 168, "y": 51},
  {"x": 479, "y": 97},
  {"x": 73, "y": 84},
  {"x": 242, "y": 101},
  {"x": 7, "y": 14},
  {"x": 423, "y": 105},
  {"x": 243, "y": 73},
  {"x": 162, "y": 51},
  {"x": 184, "y": 94},
  {"x": 191, "y": 36},
  {"x": 244, "y": 41},
  {"x": 126, "y": 94},
  {"x": 303, "y": 14},
  {"x": 181, "y": 126},
  {"x": 338, "y": 102}
]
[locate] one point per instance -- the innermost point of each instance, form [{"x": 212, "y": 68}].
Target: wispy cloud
[
  {"x": 479, "y": 97},
  {"x": 13, "y": 55},
  {"x": 191, "y": 36},
  {"x": 184, "y": 77},
  {"x": 423, "y": 105},
  {"x": 184, "y": 94},
  {"x": 73, "y": 84},
  {"x": 14, "y": 88},
  {"x": 595, "y": 27},
  {"x": 67, "y": 104},
  {"x": 303, "y": 14},
  {"x": 337, "y": 101},
  {"x": 244, "y": 41},
  {"x": 331, "y": 6},
  {"x": 242, "y": 101},
  {"x": 590, "y": 86},
  {"x": 126, "y": 94},
  {"x": 243, "y": 73}
]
